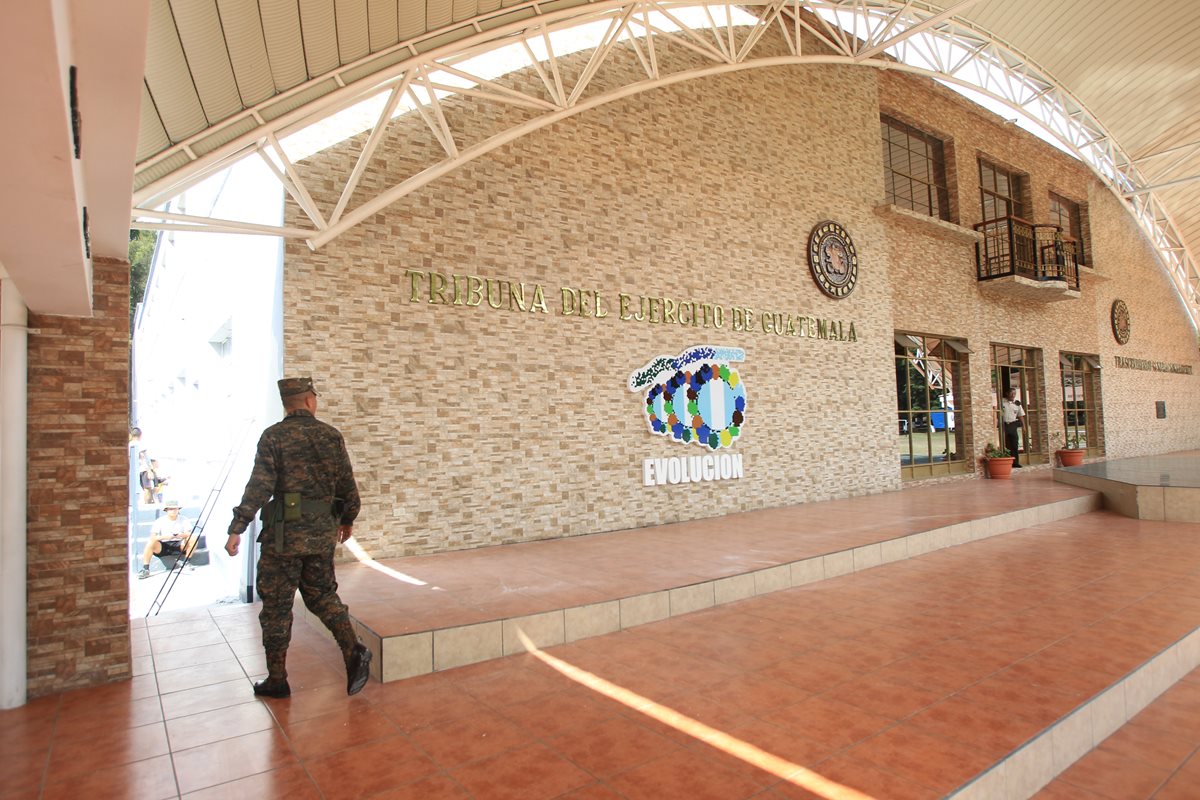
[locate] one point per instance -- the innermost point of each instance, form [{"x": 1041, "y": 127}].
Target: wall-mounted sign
[
  {"x": 1146, "y": 365},
  {"x": 504, "y": 294},
  {"x": 1120, "y": 321},
  {"x": 696, "y": 397},
  {"x": 832, "y": 259},
  {"x": 692, "y": 469}
]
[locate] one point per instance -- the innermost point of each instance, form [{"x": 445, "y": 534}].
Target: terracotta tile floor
[
  {"x": 1156, "y": 754},
  {"x": 469, "y": 586},
  {"x": 902, "y": 681}
]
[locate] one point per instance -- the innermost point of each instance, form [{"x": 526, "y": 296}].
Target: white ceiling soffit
[
  {"x": 225, "y": 77},
  {"x": 44, "y": 185}
]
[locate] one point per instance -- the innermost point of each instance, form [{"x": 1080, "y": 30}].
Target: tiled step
[
  {"x": 876, "y": 532},
  {"x": 1154, "y": 755},
  {"x": 980, "y": 672},
  {"x": 1060, "y": 746},
  {"x": 1162, "y": 487}
]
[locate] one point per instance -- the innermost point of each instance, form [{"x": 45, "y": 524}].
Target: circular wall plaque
[
  {"x": 832, "y": 259},
  {"x": 1120, "y": 321}
]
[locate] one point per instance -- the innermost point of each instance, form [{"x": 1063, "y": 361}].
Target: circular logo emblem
[
  {"x": 1120, "y": 321},
  {"x": 832, "y": 259},
  {"x": 695, "y": 397}
]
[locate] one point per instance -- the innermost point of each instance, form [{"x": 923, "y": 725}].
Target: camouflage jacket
[{"x": 300, "y": 454}]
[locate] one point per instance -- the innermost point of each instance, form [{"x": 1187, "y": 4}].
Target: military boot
[
  {"x": 275, "y": 684},
  {"x": 273, "y": 687},
  {"x": 358, "y": 668}
]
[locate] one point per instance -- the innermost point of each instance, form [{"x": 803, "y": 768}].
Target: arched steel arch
[{"x": 885, "y": 34}]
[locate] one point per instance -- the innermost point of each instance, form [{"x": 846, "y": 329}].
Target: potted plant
[
  {"x": 1073, "y": 451},
  {"x": 999, "y": 461}
]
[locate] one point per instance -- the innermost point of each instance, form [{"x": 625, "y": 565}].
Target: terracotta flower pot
[
  {"x": 1072, "y": 457},
  {"x": 999, "y": 468}
]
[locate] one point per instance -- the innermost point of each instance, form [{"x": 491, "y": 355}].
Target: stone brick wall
[
  {"x": 471, "y": 426},
  {"x": 1127, "y": 270},
  {"x": 474, "y": 426},
  {"x": 935, "y": 290},
  {"x": 78, "y": 430}
]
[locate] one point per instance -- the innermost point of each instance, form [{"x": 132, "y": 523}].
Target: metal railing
[{"x": 1013, "y": 246}]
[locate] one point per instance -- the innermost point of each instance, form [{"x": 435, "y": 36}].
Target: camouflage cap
[
  {"x": 171, "y": 504},
  {"x": 294, "y": 386}
]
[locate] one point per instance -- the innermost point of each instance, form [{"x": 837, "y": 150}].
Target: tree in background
[{"x": 141, "y": 253}]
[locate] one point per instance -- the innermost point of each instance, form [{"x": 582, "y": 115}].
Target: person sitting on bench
[{"x": 170, "y": 536}]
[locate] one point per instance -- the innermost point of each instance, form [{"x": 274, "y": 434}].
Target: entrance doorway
[
  {"x": 930, "y": 405},
  {"x": 1083, "y": 420},
  {"x": 1020, "y": 368}
]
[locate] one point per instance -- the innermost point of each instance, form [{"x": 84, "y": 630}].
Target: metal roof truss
[{"x": 910, "y": 36}]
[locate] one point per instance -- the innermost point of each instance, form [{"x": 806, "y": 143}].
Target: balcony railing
[{"x": 1013, "y": 246}]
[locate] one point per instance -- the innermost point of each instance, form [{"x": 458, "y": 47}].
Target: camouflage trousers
[{"x": 278, "y": 578}]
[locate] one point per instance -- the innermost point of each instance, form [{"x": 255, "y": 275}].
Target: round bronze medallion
[
  {"x": 1120, "y": 321},
  {"x": 832, "y": 259}
]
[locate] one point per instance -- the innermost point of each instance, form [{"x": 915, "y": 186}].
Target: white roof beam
[
  {"x": 932, "y": 42},
  {"x": 292, "y": 182},
  {"x": 142, "y": 218},
  {"x": 929, "y": 22},
  {"x": 369, "y": 147},
  {"x": 1164, "y": 185},
  {"x": 1191, "y": 147}
]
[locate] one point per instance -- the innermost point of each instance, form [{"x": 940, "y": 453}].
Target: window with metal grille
[
  {"x": 932, "y": 430},
  {"x": 1020, "y": 368},
  {"x": 1000, "y": 192},
  {"x": 1065, "y": 214},
  {"x": 1083, "y": 422},
  {"x": 914, "y": 169}
]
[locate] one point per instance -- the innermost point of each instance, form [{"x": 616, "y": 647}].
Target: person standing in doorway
[
  {"x": 304, "y": 484},
  {"x": 159, "y": 480},
  {"x": 1011, "y": 413},
  {"x": 145, "y": 478}
]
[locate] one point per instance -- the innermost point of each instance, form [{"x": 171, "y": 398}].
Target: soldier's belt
[
  {"x": 291, "y": 507},
  {"x": 316, "y": 508}
]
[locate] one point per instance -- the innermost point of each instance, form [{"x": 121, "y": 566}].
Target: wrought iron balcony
[{"x": 1032, "y": 255}]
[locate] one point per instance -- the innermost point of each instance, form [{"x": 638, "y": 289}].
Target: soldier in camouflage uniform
[{"x": 304, "y": 484}]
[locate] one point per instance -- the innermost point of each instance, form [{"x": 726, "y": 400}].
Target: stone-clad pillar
[{"x": 78, "y": 495}]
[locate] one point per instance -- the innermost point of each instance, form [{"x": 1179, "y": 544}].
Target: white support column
[{"x": 14, "y": 336}]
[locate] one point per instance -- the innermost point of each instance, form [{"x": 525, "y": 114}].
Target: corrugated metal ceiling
[
  {"x": 211, "y": 59},
  {"x": 1134, "y": 65}
]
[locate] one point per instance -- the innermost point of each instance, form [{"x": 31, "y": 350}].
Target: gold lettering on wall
[
  {"x": 1146, "y": 365},
  {"x": 438, "y": 288}
]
